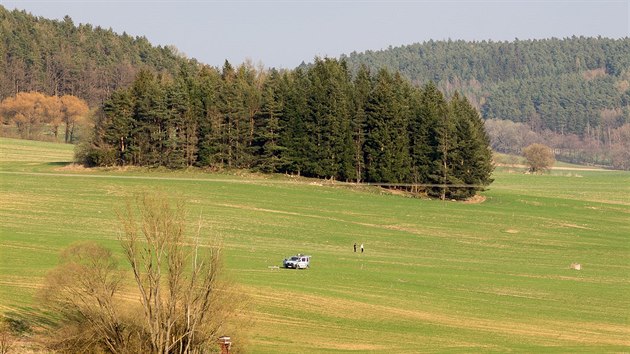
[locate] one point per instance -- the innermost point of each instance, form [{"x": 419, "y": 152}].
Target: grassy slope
[{"x": 436, "y": 276}]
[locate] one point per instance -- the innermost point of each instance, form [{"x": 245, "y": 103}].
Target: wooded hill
[
  {"x": 60, "y": 58},
  {"x": 574, "y": 92},
  {"x": 562, "y": 85}
]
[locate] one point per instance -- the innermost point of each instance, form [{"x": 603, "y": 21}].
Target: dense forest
[
  {"x": 572, "y": 93},
  {"x": 61, "y": 58},
  {"x": 556, "y": 84},
  {"x": 561, "y": 85},
  {"x": 318, "y": 122}
]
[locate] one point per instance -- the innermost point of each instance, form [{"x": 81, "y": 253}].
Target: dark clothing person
[{"x": 355, "y": 247}]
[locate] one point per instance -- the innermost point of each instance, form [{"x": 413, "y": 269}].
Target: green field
[{"x": 436, "y": 276}]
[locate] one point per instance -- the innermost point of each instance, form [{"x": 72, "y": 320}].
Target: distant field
[{"x": 436, "y": 276}]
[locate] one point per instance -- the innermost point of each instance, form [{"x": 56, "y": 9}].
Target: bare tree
[
  {"x": 182, "y": 298},
  {"x": 183, "y": 303}
]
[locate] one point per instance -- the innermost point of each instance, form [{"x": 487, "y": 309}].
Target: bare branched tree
[
  {"x": 179, "y": 287},
  {"x": 183, "y": 302}
]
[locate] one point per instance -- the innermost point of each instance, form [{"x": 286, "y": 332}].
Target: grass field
[{"x": 435, "y": 277}]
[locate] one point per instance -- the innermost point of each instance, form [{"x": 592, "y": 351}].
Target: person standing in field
[
  {"x": 355, "y": 247},
  {"x": 361, "y": 248}
]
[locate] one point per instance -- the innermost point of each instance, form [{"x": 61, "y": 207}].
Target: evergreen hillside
[
  {"x": 59, "y": 57},
  {"x": 563, "y": 85}
]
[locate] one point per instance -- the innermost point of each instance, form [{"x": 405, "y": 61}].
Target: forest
[
  {"x": 556, "y": 84},
  {"x": 316, "y": 122},
  {"x": 574, "y": 92},
  {"x": 571, "y": 93}
]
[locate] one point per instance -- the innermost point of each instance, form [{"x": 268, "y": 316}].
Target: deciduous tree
[
  {"x": 182, "y": 301},
  {"x": 539, "y": 157}
]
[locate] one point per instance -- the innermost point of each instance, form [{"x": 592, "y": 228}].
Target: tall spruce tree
[
  {"x": 473, "y": 164},
  {"x": 269, "y": 152},
  {"x": 423, "y": 141},
  {"x": 210, "y": 121},
  {"x": 150, "y": 117},
  {"x": 443, "y": 130},
  {"x": 113, "y": 130},
  {"x": 228, "y": 125},
  {"x": 178, "y": 111},
  {"x": 248, "y": 93},
  {"x": 386, "y": 141},
  {"x": 362, "y": 90},
  {"x": 295, "y": 131},
  {"x": 329, "y": 100}
]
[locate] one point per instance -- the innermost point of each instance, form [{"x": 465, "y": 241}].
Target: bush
[{"x": 91, "y": 156}]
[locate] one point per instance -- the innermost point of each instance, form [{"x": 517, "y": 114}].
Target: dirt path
[{"x": 559, "y": 168}]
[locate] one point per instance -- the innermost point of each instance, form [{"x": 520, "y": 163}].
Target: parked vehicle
[{"x": 299, "y": 261}]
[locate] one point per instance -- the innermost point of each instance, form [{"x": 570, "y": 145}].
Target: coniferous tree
[
  {"x": 294, "y": 124},
  {"x": 210, "y": 121},
  {"x": 329, "y": 103},
  {"x": 386, "y": 142},
  {"x": 472, "y": 160},
  {"x": 446, "y": 151},
  {"x": 116, "y": 126},
  {"x": 362, "y": 90},
  {"x": 269, "y": 152},
  {"x": 178, "y": 107},
  {"x": 150, "y": 118},
  {"x": 228, "y": 122},
  {"x": 248, "y": 92},
  {"x": 423, "y": 140}
]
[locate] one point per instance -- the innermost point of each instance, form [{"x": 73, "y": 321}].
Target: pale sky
[{"x": 285, "y": 33}]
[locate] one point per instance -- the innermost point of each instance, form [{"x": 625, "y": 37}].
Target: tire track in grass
[{"x": 543, "y": 332}]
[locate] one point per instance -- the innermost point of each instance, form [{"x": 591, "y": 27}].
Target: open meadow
[{"x": 435, "y": 276}]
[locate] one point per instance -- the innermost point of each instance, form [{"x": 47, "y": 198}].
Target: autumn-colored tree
[
  {"x": 52, "y": 113},
  {"x": 539, "y": 157},
  {"x": 25, "y": 111},
  {"x": 31, "y": 111},
  {"x": 74, "y": 112}
]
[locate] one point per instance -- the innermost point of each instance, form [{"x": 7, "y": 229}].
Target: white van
[{"x": 300, "y": 261}]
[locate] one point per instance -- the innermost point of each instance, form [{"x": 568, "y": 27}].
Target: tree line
[
  {"x": 611, "y": 148},
  {"x": 318, "y": 121}
]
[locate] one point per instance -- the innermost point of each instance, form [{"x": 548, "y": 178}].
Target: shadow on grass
[
  {"x": 59, "y": 163},
  {"x": 25, "y": 319}
]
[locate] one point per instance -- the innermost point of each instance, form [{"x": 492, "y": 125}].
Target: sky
[{"x": 282, "y": 34}]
